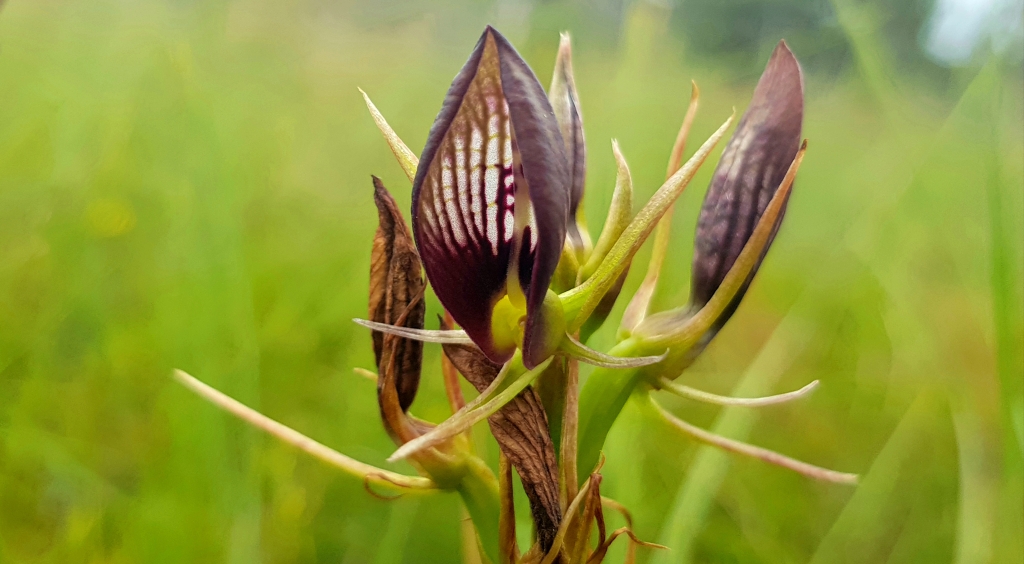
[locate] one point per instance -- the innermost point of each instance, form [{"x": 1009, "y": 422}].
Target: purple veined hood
[
  {"x": 752, "y": 167},
  {"x": 491, "y": 194}
]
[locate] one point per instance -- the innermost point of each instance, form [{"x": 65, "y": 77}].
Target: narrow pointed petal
[
  {"x": 685, "y": 331},
  {"x": 494, "y": 152},
  {"x": 602, "y": 549},
  {"x": 449, "y": 336},
  {"x": 715, "y": 399},
  {"x": 370, "y": 474},
  {"x": 636, "y": 310},
  {"x": 762, "y": 454},
  {"x": 406, "y": 159},
  {"x": 566, "y": 104},
  {"x": 588, "y": 355},
  {"x": 603, "y": 309},
  {"x": 619, "y": 214},
  {"x": 752, "y": 167}
]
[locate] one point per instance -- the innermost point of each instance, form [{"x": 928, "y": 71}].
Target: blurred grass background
[{"x": 185, "y": 183}]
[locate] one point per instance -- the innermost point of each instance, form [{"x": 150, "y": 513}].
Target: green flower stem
[
  {"x": 551, "y": 387},
  {"x": 570, "y": 432},
  {"x": 601, "y": 400},
  {"x": 479, "y": 492}
]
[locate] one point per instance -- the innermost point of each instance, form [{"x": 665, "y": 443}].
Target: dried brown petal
[
  {"x": 593, "y": 514},
  {"x": 507, "y": 519},
  {"x": 396, "y": 285},
  {"x": 521, "y": 429}
]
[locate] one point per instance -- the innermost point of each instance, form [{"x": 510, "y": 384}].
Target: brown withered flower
[{"x": 396, "y": 296}]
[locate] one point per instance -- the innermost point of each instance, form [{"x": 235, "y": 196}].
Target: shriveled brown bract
[
  {"x": 396, "y": 298},
  {"x": 521, "y": 430}
]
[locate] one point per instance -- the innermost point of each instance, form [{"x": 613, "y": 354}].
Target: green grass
[{"x": 186, "y": 184}]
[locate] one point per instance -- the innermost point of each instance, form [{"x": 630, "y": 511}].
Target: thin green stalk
[
  {"x": 479, "y": 492},
  {"x": 601, "y": 400},
  {"x": 369, "y": 474},
  {"x": 570, "y": 433}
]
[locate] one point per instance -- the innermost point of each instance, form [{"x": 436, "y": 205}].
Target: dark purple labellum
[
  {"x": 753, "y": 165},
  {"x": 492, "y": 192}
]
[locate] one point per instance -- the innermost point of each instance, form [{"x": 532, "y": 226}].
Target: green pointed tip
[{"x": 406, "y": 158}]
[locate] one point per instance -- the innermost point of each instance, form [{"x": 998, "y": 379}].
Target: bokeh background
[{"x": 186, "y": 183}]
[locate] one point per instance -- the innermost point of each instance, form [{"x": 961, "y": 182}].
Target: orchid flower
[
  {"x": 495, "y": 192},
  {"x": 742, "y": 212},
  {"x": 497, "y": 226},
  {"x": 491, "y": 204}
]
